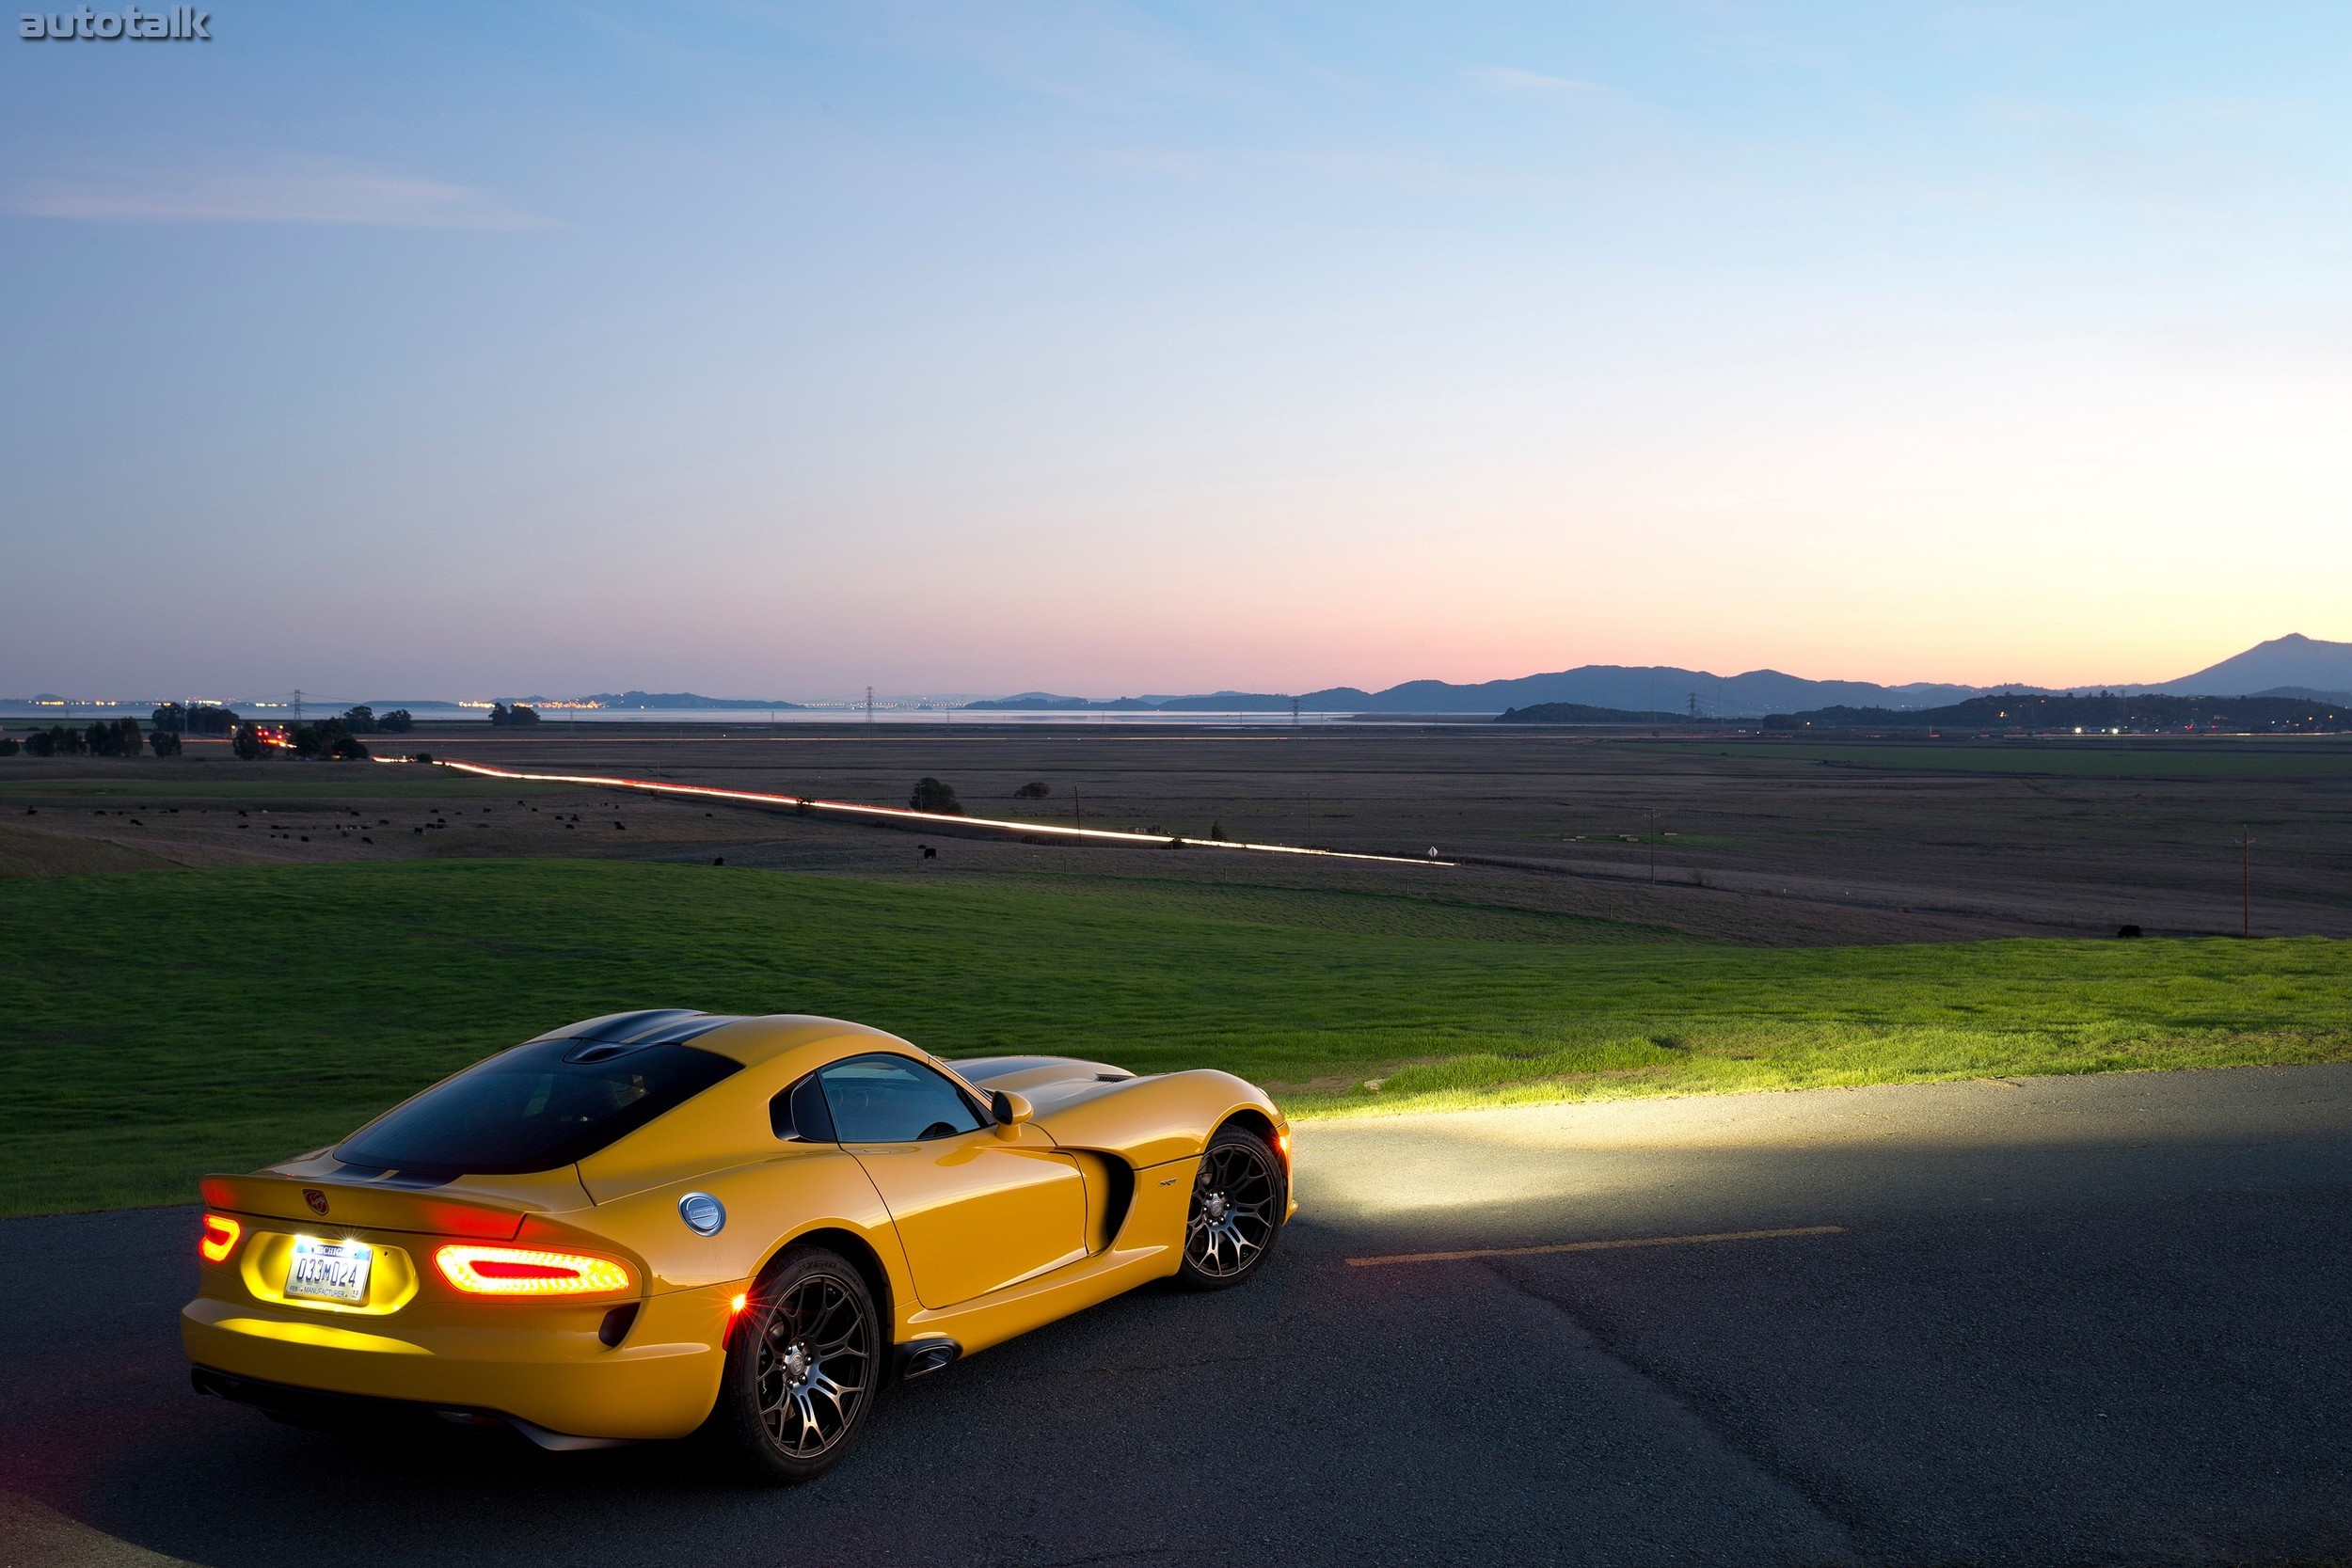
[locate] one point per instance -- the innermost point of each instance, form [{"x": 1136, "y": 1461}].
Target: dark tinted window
[
  {"x": 528, "y": 1109},
  {"x": 890, "y": 1099},
  {"x": 800, "y": 1112}
]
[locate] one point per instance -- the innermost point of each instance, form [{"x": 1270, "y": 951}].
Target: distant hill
[
  {"x": 2295, "y": 661},
  {"x": 1578, "y": 713},
  {"x": 2137, "y": 713},
  {"x": 1626, "y": 689},
  {"x": 681, "y": 699}
]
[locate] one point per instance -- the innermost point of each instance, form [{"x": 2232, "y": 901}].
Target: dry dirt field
[{"x": 1722, "y": 836}]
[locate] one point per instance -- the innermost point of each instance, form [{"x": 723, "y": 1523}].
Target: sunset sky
[{"x": 778, "y": 349}]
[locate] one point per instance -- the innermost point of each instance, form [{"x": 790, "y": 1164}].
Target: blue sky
[{"x": 780, "y": 349}]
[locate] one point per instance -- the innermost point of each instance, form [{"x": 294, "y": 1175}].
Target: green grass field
[{"x": 160, "y": 1025}]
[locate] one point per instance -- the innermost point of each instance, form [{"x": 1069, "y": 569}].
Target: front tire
[
  {"x": 803, "y": 1366},
  {"x": 1239, "y": 1196}
]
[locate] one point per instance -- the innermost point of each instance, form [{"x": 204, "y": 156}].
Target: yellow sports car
[{"x": 655, "y": 1223}]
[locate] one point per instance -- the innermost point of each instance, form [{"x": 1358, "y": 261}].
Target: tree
[
  {"x": 38, "y": 743},
  {"x": 396, "y": 722},
  {"x": 1036, "y": 789},
  {"x": 127, "y": 737},
  {"x": 171, "y": 716},
  {"x": 932, "y": 795},
  {"x": 166, "y": 742},
  {"x": 327, "y": 739},
  {"x": 8, "y": 746},
  {"x": 360, "y": 720},
  {"x": 66, "y": 742},
  {"x": 247, "y": 743},
  {"x": 503, "y": 716},
  {"x": 204, "y": 719}
]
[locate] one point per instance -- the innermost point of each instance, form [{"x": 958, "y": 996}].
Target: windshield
[{"x": 528, "y": 1109}]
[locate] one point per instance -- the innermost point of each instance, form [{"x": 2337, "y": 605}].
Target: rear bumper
[
  {"x": 661, "y": 1382},
  {"x": 311, "y": 1407}
]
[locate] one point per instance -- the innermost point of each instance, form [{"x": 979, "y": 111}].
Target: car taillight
[
  {"x": 220, "y": 1238},
  {"x": 506, "y": 1271}
]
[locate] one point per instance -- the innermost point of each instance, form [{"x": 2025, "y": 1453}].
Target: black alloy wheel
[
  {"x": 1238, "y": 1198},
  {"x": 803, "y": 1366}
]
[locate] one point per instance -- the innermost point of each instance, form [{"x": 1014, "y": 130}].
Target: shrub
[
  {"x": 932, "y": 796},
  {"x": 1036, "y": 789}
]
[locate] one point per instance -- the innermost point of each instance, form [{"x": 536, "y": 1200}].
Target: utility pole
[
  {"x": 1294, "y": 716},
  {"x": 2245, "y": 894},
  {"x": 869, "y": 708},
  {"x": 1653, "y": 847},
  {"x": 1078, "y": 806}
]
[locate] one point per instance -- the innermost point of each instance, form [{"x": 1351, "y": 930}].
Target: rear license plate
[{"x": 330, "y": 1271}]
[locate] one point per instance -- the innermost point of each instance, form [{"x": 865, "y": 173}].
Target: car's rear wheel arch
[{"x": 859, "y": 1254}]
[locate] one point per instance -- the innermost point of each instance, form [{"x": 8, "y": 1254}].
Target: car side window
[
  {"x": 800, "y": 1112},
  {"x": 890, "y": 1099}
]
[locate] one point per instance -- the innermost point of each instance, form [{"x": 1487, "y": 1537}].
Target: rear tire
[
  {"x": 804, "y": 1362},
  {"x": 1239, "y": 1197}
]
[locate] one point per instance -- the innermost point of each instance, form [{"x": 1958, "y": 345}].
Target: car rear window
[{"x": 531, "y": 1109}]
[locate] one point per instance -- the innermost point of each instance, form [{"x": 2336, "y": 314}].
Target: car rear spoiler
[{"x": 332, "y": 1203}]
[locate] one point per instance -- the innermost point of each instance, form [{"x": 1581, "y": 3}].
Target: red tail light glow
[
  {"x": 506, "y": 1271},
  {"x": 220, "y": 1238}
]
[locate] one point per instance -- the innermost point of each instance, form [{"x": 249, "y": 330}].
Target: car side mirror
[{"x": 1011, "y": 1110}]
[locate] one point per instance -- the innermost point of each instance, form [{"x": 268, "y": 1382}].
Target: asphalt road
[{"x": 2064, "y": 1321}]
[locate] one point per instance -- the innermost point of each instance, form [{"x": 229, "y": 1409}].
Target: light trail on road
[
  {"x": 905, "y": 813},
  {"x": 1595, "y": 1247}
]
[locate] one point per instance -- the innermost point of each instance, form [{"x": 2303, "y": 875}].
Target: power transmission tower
[
  {"x": 1294, "y": 714},
  {"x": 298, "y": 707},
  {"x": 869, "y": 707},
  {"x": 1694, "y": 707}
]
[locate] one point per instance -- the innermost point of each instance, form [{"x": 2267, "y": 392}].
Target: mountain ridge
[{"x": 2290, "y": 666}]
